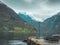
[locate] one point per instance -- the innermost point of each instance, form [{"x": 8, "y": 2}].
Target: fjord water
[{"x": 12, "y": 42}]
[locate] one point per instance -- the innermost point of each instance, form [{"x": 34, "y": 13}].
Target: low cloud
[{"x": 37, "y": 9}]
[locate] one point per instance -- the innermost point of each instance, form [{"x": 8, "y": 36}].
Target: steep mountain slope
[
  {"x": 8, "y": 18},
  {"x": 29, "y": 20},
  {"x": 51, "y": 25},
  {"x": 10, "y": 22}
]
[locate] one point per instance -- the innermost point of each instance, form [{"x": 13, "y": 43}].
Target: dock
[
  {"x": 41, "y": 41},
  {"x": 33, "y": 41}
]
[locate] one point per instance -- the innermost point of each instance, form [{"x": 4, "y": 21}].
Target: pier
[{"x": 33, "y": 41}]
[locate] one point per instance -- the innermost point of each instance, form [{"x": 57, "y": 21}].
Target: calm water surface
[{"x": 12, "y": 42}]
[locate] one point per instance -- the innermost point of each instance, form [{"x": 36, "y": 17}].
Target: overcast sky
[{"x": 37, "y": 9}]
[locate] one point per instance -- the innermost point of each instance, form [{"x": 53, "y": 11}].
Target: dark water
[{"x": 12, "y": 42}]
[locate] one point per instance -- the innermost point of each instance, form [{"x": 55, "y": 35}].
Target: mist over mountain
[
  {"x": 29, "y": 20},
  {"x": 48, "y": 27},
  {"x": 51, "y": 25},
  {"x": 10, "y": 21}
]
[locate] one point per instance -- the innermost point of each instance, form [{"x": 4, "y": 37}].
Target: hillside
[
  {"x": 10, "y": 22},
  {"x": 29, "y": 20},
  {"x": 51, "y": 25}
]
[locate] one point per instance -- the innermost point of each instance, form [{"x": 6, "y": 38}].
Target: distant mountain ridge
[
  {"x": 51, "y": 25},
  {"x": 29, "y": 20},
  {"x": 48, "y": 27}
]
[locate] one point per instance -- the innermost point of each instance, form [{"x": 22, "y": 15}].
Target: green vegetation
[
  {"x": 22, "y": 30},
  {"x": 12, "y": 26}
]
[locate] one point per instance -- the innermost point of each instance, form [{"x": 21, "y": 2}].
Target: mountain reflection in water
[{"x": 12, "y": 42}]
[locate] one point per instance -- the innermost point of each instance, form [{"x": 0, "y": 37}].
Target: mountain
[
  {"x": 29, "y": 20},
  {"x": 8, "y": 18},
  {"x": 10, "y": 21},
  {"x": 51, "y": 25}
]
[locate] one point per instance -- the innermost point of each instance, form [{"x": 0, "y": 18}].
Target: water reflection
[{"x": 12, "y": 42}]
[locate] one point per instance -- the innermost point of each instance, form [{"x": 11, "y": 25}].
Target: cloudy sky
[{"x": 37, "y": 9}]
